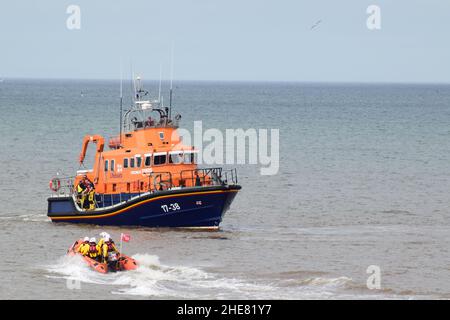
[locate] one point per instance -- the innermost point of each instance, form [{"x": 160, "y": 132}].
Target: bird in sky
[{"x": 316, "y": 24}]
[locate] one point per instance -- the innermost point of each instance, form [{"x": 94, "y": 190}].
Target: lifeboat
[
  {"x": 144, "y": 176},
  {"x": 124, "y": 263},
  {"x": 114, "y": 142}
]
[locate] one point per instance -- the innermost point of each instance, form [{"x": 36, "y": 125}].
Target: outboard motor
[{"x": 113, "y": 262}]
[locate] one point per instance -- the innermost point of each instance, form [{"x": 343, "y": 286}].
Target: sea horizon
[{"x": 326, "y": 83}]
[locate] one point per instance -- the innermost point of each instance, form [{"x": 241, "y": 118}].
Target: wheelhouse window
[
  {"x": 138, "y": 161},
  {"x": 148, "y": 160},
  {"x": 125, "y": 163},
  {"x": 113, "y": 163},
  {"x": 190, "y": 157},
  {"x": 106, "y": 165},
  {"x": 187, "y": 158},
  {"x": 132, "y": 162},
  {"x": 159, "y": 159},
  {"x": 176, "y": 157}
]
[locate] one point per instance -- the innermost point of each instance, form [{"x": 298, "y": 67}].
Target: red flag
[{"x": 125, "y": 237}]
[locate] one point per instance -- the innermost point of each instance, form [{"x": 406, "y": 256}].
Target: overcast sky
[{"x": 264, "y": 40}]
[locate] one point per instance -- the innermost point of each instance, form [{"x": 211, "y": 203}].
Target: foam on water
[
  {"x": 35, "y": 217},
  {"x": 26, "y": 217},
  {"x": 153, "y": 279},
  {"x": 150, "y": 279},
  {"x": 341, "y": 281},
  {"x": 74, "y": 268}
]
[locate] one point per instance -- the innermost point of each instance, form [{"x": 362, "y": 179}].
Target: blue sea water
[{"x": 363, "y": 180}]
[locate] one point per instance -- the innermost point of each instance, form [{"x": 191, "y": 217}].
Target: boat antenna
[
  {"x": 121, "y": 104},
  {"x": 171, "y": 82},
  {"x": 160, "y": 76},
  {"x": 133, "y": 85}
]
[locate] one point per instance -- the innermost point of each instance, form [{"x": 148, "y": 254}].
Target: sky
[{"x": 243, "y": 40}]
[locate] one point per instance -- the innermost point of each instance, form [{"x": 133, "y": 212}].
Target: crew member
[
  {"x": 198, "y": 182},
  {"x": 103, "y": 236},
  {"x": 91, "y": 194},
  {"x": 94, "y": 250},
  {"x": 86, "y": 193},
  {"x": 108, "y": 248},
  {"x": 82, "y": 191},
  {"x": 84, "y": 247}
]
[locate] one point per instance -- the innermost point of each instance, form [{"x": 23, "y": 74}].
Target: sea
[{"x": 359, "y": 208}]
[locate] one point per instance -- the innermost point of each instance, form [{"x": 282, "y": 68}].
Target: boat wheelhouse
[{"x": 146, "y": 177}]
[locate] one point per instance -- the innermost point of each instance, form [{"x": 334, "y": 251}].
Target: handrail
[
  {"x": 155, "y": 182},
  {"x": 66, "y": 187}
]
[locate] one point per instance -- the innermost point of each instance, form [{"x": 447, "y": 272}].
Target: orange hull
[{"x": 125, "y": 263}]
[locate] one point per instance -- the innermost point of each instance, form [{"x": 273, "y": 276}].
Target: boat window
[
  {"x": 125, "y": 163},
  {"x": 161, "y": 135},
  {"x": 158, "y": 160},
  {"x": 190, "y": 157},
  {"x": 138, "y": 162},
  {"x": 148, "y": 161},
  {"x": 131, "y": 162},
  {"x": 176, "y": 158},
  {"x": 187, "y": 158},
  {"x": 106, "y": 165},
  {"x": 112, "y": 165}
]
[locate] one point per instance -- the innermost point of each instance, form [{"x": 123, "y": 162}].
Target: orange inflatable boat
[{"x": 124, "y": 263}]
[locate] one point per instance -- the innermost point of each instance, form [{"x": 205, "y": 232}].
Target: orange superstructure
[
  {"x": 131, "y": 166},
  {"x": 149, "y": 155}
]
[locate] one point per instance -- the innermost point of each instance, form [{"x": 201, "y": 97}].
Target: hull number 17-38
[{"x": 170, "y": 207}]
